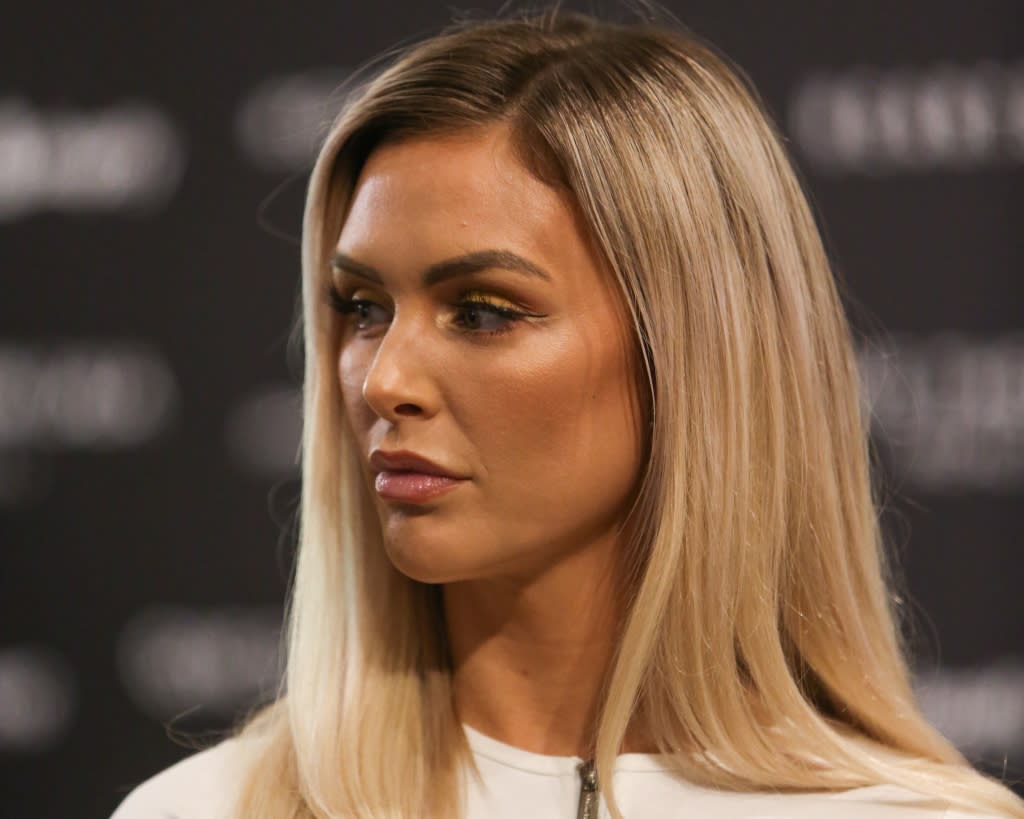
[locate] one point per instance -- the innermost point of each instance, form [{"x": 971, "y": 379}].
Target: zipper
[{"x": 588, "y": 791}]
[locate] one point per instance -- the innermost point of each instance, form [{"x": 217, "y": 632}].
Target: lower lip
[{"x": 413, "y": 487}]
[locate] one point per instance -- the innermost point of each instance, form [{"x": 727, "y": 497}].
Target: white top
[{"x": 518, "y": 783}]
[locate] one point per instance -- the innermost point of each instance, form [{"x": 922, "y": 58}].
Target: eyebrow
[{"x": 464, "y": 265}]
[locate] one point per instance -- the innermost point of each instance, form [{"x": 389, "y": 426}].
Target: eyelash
[{"x": 347, "y": 306}]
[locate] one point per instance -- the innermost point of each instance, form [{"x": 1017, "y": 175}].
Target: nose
[{"x": 398, "y": 382}]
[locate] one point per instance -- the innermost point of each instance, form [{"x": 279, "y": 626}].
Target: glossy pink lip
[
  {"x": 406, "y": 476},
  {"x": 413, "y": 487}
]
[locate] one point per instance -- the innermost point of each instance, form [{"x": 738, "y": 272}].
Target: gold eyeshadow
[{"x": 487, "y": 298}]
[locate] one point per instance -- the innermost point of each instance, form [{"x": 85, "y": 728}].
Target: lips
[{"x": 410, "y": 478}]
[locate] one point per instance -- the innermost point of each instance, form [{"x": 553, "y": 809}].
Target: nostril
[{"x": 407, "y": 409}]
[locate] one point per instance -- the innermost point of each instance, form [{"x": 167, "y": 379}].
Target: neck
[{"x": 530, "y": 657}]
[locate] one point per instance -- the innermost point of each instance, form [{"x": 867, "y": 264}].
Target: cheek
[
  {"x": 351, "y": 373},
  {"x": 556, "y": 426}
]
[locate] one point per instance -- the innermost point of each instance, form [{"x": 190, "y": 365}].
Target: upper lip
[{"x": 403, "y": 459}]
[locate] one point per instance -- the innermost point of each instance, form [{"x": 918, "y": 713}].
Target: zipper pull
[{"x": 588, "y": 791}]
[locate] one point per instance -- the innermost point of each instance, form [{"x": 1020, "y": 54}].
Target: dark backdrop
[{"x": 152, "y": 161}]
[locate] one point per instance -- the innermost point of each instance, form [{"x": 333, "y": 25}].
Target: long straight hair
[{"x": 761, "y": 648}]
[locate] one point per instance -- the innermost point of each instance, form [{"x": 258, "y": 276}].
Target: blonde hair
[{"x": 760, "y": 648}]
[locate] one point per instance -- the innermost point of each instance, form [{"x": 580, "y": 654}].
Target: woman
[{"x": 587, "y": 522}]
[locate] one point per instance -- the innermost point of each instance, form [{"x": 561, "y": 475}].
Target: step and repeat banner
[{"x": 153, "y": 159}]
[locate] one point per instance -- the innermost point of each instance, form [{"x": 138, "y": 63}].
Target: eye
[
  {"x": 474, "y": 316},
  {"x": 366, "y": 312},
  {"x": 484, "y": 317}
]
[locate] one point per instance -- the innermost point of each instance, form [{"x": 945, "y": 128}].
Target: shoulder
[
  {"x": 198, "y": 787},
  {"x": 885, "y": 801},
  {"x": 664, "y": 795},
  {"x": 874, "y": 802}
]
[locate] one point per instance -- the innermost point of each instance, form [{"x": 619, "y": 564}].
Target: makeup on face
[{"x": 480, "y": 340}]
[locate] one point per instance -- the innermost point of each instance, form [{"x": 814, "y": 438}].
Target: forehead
[{"x": 456, "y": 193}]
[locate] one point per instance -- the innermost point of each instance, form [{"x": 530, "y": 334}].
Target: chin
[
  {"x": 425, "y": 559},
  {"x": 415, "y": 567},
  {"x": 425, "y": 546}
]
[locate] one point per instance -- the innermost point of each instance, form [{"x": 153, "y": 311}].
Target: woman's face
[{"x": 513, "y": 372}]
